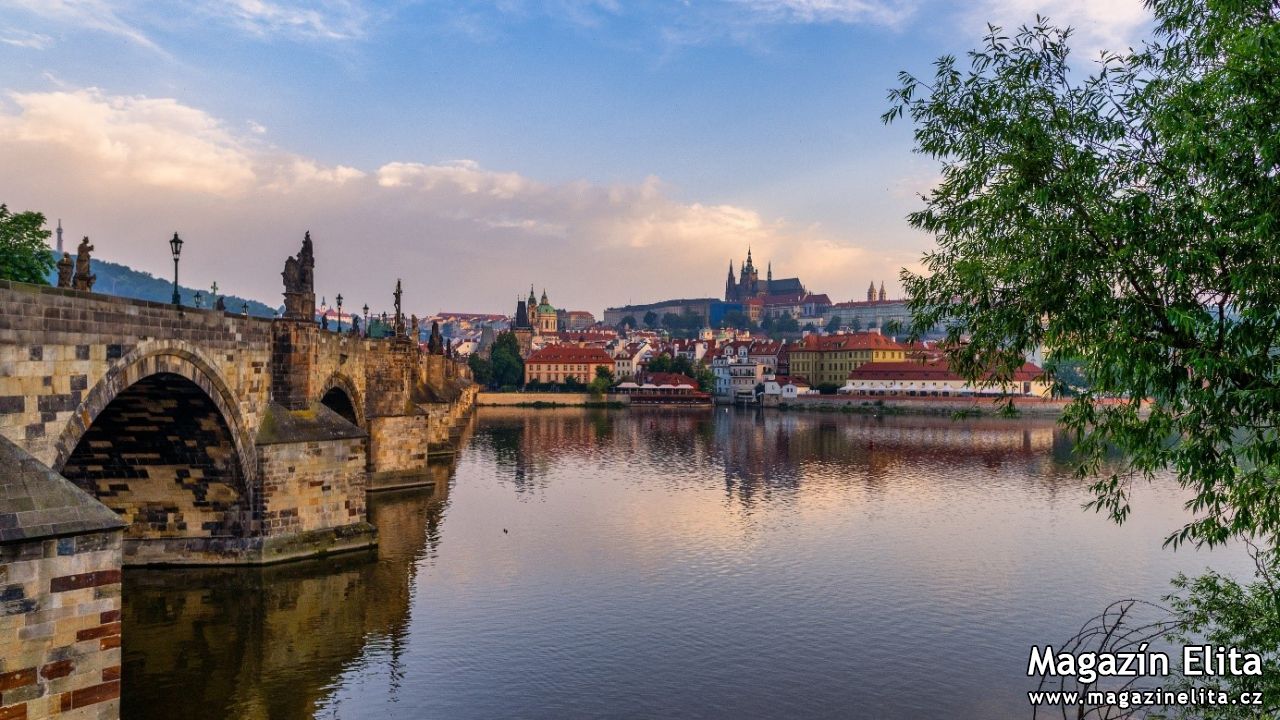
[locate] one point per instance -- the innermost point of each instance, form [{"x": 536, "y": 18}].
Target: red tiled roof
[
  {"x": 570, "y": 354},
  {"x": 933, "y": 370},
  {"x": 848, "y": 341},
  {"x": 670, "y": 379}
]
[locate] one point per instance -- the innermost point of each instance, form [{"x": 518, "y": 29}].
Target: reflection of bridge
[{"x": 216, "y": 437}]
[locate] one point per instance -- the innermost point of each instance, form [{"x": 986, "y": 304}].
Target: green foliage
[
  {"x": 855, "y": 325},
  {"x": 651, "y": 319},
  {"x": 628, "y": 321},
  {"x": 1128, "y": 219},
  {"x": 24, "y": 250},
  {"x": 738, "y": 320},
  {"x": 705, "y": 377},
  {"x": 810, "y": 327},
  {"x": 1217, "y": 610},
  {"x": 508, "y": 367},
  {"x": 834, "y": 323},
  {"x": 785, "y": 323},
  {"x": 827, "y": 388},
  {"x": 481, "y": 369},
  {"x": 601, "y": 383}
]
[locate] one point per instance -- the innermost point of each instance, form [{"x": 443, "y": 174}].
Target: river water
[{"x": 683, "y": 564}]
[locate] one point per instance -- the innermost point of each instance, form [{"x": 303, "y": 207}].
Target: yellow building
[{"x": 828, "y": 359}]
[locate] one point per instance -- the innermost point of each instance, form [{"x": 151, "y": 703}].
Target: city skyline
[{"x": 474, "y": 150}]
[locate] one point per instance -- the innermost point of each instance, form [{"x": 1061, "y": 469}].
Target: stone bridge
[{"x": 220, "y": 438}]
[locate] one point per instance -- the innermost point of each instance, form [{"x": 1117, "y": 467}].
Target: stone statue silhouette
[
  {"x": 299, "y": 283},
  {"x": 83, "y": 278},
  {"x": 65, "y": 268}
]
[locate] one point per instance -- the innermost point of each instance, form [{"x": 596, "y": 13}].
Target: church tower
[
  {"x": 730, "y": 291},
  {"x": 871, "y": 291},
  {"x": 883, "y": 297},
  {"x": 59, "y": 237},
  {"x": 768, "y": 283}
]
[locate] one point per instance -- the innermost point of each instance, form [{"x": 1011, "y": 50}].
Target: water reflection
[
  {"x": 268, "y": 642},
  {"x": 672, "y": 563}
]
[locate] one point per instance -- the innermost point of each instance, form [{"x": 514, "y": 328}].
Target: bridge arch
[
  {"x": 159, "y": 387},
  {"x": 340, "y": 395}
]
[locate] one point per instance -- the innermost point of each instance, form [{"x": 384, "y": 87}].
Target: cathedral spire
[
  {"x": 730, "y": 270},
  {"x": 871, "y": 291},
  {"x": 883, "y": 296}
]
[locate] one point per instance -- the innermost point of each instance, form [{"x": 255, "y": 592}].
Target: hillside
[{"x": 122, "y": 280}]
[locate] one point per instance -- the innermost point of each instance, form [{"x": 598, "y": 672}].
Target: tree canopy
[
  {"x": 1127, "y": 219},
  {"x": 24, "y": 249},
  {"x": 507, "y": 367}
]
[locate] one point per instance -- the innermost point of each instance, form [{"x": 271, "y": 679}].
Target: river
[{"x": 678, "y": 564}]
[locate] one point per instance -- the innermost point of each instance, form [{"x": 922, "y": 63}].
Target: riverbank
[
  {"x": 550, "y": 400},
  {"x": 970, "y": 406}
]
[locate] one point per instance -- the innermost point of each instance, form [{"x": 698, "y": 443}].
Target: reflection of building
[{"x": 828, "y": 359}]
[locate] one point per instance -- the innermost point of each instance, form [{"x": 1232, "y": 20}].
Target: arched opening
[
  {"x": 339, "y": 401},
  {"x": 162, "y": 456}
]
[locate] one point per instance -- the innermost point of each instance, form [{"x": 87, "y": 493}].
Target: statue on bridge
[
  {"x": 83, "y": 279},
  {"x": 299, "y": 283},
  {"x": 435, "y": 344},
  {"x": 398, "y": 330},
  {"x": 65, "y": 268}
]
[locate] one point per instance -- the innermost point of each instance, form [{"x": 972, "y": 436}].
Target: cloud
[
  {"x": 23, "y": 39},
  {"x": 878, "y": 12},
  {"x": 328, "y": 20},
  {"x": 129, "y": 170},
  {"x": 99, "y": 15},
  {"x": 323, "y": 20},
  {"x": 1099, "y": 24},
  {"x": 137, "y": 140}
]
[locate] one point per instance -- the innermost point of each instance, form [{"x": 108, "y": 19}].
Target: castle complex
[{"x": 748, "y": 284}]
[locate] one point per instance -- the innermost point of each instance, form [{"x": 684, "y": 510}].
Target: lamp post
[
  {"x": 199, "y": 300},
  {"x": 339, "y": 313},
  {"x": 175, "y": 245},
  {"x": 366, "y": 319}
]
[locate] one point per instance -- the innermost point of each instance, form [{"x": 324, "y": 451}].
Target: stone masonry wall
[
  {"x": 57, "y": 345},
  {"x": 398, "y": 443},
  {"x": 312, "y": 485},
  {"x": 60, "y": 627}
]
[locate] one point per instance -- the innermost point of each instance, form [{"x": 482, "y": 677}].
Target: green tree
[
  {"x": 659, "y": 364},
  {"x": 603, "y": 380},
  {"x": 785, "y": 323},
  {"x": 705, "y": 376},
  {"x": 651, "y": 319},
  {"x": 855, "y": 325},
  {"x": 508, "y": 367},
  {"x": 24, "y": 249},
  {"x": 481, "y": 369},
  {"x": 834, "y": 323},
  {"x": 1127, "y": 220},
  {"x": 628, "y": 321}
]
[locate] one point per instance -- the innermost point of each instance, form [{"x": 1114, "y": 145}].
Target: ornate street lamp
[
  {"x": 199, "y": 300},
  {"x": 366, "y": 319},
  {"x": 339, "y": 313},
  {"x": 175, "y": 246}
]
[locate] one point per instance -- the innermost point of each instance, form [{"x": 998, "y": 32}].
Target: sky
[{"x": 607, "y": 151}]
